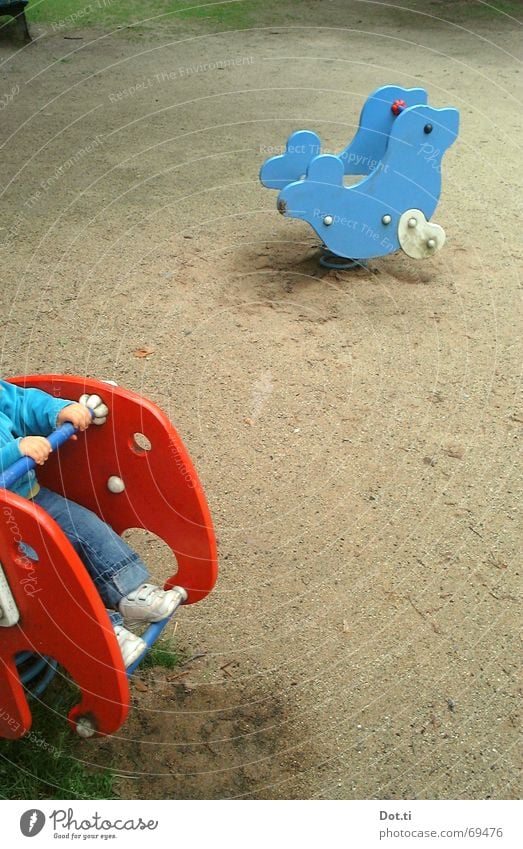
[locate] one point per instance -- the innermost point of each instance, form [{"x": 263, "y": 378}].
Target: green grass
[
  {"x": 63, "y": 15},
  {"x": 494, "y": 7},
  {"x": 454, "y": 10},
  {"x": 113, "y": 13},
  {"x": 163, "y": 653},
  {"x": 48, "y": 762}
]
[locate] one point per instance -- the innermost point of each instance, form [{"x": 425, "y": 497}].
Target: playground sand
[{"x": 355, "y": 432}]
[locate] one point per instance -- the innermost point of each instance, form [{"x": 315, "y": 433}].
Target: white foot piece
[{"x": 418, "y": 237}]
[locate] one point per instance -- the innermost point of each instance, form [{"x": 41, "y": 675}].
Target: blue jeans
[{"x": 114, "y": 567}]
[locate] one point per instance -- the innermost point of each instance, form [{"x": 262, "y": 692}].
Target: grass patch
[
  {"x": 48, "y": 762},
  {"x": 229, "y": 14},
  {"x": 63, "y": 15},
  {"x": 163, "y": 653}
]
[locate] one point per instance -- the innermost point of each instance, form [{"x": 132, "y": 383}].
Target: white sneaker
[
  {"x": 130, "y": 644},
  {"x": 149, "y": 603}
]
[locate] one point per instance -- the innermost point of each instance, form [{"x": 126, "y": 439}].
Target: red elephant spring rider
[{"x": 50, "y": 610}]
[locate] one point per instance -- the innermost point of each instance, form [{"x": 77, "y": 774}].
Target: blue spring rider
[{"x": 397, "y": 150}]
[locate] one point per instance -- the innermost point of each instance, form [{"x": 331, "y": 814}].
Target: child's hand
[
  {"x": 77, "y": 414},
  {"x": 37, "y": 448}
]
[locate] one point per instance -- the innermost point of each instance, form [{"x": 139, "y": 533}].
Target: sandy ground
[{"x": 356, "y": 433}]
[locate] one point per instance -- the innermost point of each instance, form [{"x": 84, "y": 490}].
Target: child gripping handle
[{"x": 27, "y": 419}]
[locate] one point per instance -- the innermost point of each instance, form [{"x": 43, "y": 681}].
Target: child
[{"x": 27, "y": 416}]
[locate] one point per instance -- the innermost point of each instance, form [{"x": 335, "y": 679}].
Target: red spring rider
[{"x": 50, "y": 610}]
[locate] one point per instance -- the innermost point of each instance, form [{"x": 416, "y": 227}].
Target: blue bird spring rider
[{"x": 397, "y": 150}]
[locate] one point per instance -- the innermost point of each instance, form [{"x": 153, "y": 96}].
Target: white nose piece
[{"x": 418, "y": 237}]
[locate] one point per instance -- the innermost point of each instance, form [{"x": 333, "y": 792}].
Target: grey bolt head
[
  {"x": 431, "y": 243},
  {"x": 386, "y": 219},
  {"x": 115, "y": 484},
  {"x": 85, "y": 727},
  {"x": 412, "y": 222},
  {"x": 328, "y": 220}
]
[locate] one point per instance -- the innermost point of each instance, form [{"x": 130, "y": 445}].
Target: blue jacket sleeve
[
  {"x": 31, "y": 411},
  {"x": 9, "y": 454}
]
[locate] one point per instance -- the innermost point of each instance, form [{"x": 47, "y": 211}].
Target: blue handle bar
[{"x": 20, "y": 467}]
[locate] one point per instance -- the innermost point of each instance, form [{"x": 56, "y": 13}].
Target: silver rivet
[
  {"x": 386, "y": 219},
  {"x": 412, "y": 222},
  {"x": 85, "y": 727},
  {"x": 115, "y": 484},
  {"x": 328, "y": 220},
  {"x": 431, "y": 243}
]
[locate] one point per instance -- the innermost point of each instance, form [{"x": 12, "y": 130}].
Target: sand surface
[{"x": 356, "y": 432}]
